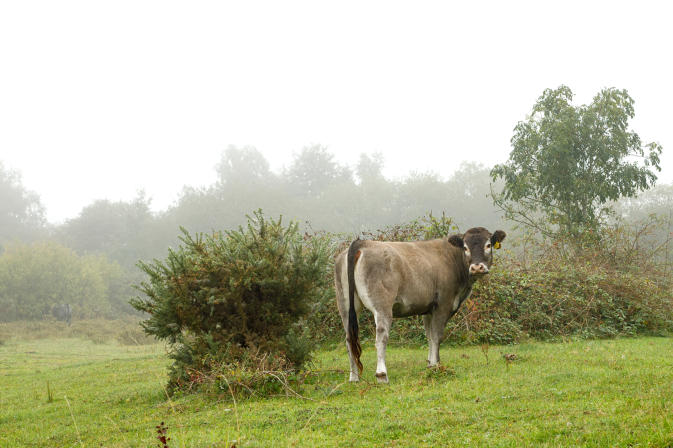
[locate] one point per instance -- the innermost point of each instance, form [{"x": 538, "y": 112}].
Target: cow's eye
[
  {"x": 488, "y": 245},
  {"x": 465, "y": 249}
]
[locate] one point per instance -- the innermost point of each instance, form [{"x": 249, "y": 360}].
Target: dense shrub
[
  {"x": 563, "y": 299},
  {"x": 225, "y": 301}
]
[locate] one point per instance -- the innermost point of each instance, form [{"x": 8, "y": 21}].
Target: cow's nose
[{"x": 478, "y": 269}]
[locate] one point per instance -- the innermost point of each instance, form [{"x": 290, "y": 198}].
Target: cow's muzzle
[{"x": 478, "y": 269}]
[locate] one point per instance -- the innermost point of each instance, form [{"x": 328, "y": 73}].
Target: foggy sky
[{"x": 101, "y": 99}]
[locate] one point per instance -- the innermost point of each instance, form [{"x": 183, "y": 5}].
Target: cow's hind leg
[
  {"x": 354, "y": 375},
  {"x": 383, "y": 322}
]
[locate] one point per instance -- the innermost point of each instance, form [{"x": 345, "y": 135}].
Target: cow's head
[{"x": 477, "y": 245}]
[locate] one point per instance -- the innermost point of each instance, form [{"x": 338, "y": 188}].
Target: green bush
[
  {"x": 223, "y": 299},
  {"x": 35, "y": 277},
  {"x": 564, "y": 299}
]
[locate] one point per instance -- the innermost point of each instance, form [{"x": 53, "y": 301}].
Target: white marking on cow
[
  {"x": 433, "y": 352},
  {"x": 381, "y": 370},
  {"x": 456, "y": 302},
  {"x": 344, "y": 278},
  {"x": 361, "y": 284}
]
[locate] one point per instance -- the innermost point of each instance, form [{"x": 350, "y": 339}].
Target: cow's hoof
[
  {"x": 382, "y": 377},
  {"x": 354, "y": 378},
  {"x": 433, "y": 366}
]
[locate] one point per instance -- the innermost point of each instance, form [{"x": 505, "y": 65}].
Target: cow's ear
[
  {"x": 457, "y": 240},
  {"x": 497, "y": 238}
]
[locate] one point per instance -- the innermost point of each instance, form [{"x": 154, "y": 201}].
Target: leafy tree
[
  {"x": 243, "y": 167},
  {"x": 369, "y": 168},
  {"x": 35, "y": 277},
  {"x": 656, "y": 201},
  {"x": 124, "y": 231},
  {"x": 371, "y": 203},
  {"x": 568, "y": 161},
  {"x": 648, "y": 217},
  {"x": 200, "y": 209},
  {"x": 420, "y": 193},
  {"x": 314, "y": 170},
  {"x": 468, "y": 198},
  {"x": 21, "y": 213}
]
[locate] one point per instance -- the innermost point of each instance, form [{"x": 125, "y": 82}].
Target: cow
[
  {"x": 397, "y": 279},
  {"x": 62, "y": 312}
]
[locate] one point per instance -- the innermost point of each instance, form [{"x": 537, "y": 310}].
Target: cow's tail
[{"x": 353, "y": 330}]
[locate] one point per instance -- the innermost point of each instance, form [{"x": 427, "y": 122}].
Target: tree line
[
  {"x": 570, "y": 171},
  {"x": 314, "y": 190}
]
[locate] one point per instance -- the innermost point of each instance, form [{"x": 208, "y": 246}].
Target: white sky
[{"x": 101, "y": 99}]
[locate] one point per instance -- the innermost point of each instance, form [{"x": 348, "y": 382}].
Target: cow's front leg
[
  {"x": 433, "y": 348},
  {"x": 437, "y": 322},
  {"x": 383, "y": 322}
]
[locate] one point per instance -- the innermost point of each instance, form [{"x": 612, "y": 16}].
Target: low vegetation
[
  {"x": 99, "y": 331},
  {"x": 593, "y": 393}
]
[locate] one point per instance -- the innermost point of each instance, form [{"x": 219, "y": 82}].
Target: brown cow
[{"x": 399, "y": 279}]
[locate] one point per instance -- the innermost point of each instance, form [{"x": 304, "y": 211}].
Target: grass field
[{"x": 591, "y": 393}]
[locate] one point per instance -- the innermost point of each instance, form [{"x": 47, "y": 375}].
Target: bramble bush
[
  {"x": 562, "y": 298},
  {"x": 233, "y": 305}
]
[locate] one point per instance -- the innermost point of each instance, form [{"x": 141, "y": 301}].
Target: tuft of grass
[
  {"x": 74, "y": 422},
  {"x": 484, "y": 349},
  {"x": 50, "y": 394},
  {"x": 440, "y": 372}
]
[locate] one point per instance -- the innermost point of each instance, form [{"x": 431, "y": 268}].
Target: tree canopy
[
  {"x": 567, "y": 162},
  {"x": 121, "y": 230},
  {"x": 21, "y": 212}
]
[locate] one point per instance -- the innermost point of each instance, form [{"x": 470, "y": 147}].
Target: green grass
[{"x": 591, "y": 393}]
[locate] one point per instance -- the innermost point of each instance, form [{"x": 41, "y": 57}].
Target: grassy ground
[{"x": 592, "y": 393}]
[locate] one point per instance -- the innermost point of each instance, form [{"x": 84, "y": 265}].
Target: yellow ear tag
[{"x": 497, "y": 245}]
